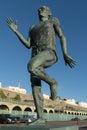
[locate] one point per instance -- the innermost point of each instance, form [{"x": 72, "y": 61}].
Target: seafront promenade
[{"x": 50, "y": 125}]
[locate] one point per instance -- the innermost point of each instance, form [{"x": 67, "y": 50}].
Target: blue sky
[{"x": 14, "y": 56}]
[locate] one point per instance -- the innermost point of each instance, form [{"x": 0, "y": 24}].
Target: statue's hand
[
  {"x": 69, "y": 61},
  {"x": 13, "y": 26}
]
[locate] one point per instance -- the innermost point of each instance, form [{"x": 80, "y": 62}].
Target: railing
[
  {"x": 16, "y": 102},
  {"x": 15, "y": 112},
  {"x": 48, "y": 116}
]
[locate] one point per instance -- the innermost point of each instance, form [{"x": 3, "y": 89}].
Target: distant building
[
  {"x": 46, "y": 96},
  {"x": 0, "y": 84},
  {"x": 16, "y": 89},
  {"x": 82, "y": 104},
  {"x": 70, "y": 101}
]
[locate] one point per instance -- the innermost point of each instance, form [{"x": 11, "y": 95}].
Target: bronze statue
[{"x": 42, "y": 41}]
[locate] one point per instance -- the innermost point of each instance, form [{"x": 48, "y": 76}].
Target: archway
[
  {"x": 45, "y": 111},
  {"x": 50, "y": 111},
  {"x": 16, "y": 108},
  {"x": 4, "y": 107},
  {"x": 28, "y": 109}
]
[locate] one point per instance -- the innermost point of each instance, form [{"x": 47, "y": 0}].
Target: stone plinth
[{"x": 39, "y": 127}]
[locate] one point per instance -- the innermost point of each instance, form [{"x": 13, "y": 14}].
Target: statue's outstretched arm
[
  {"x": 68, "y": 60},
  {"x": 13, "y": 26}
]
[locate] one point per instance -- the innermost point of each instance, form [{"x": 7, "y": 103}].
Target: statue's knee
[{"x": 31, "y": 68}]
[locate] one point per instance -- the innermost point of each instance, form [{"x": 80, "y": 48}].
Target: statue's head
[{"x": 44, "y": 12}]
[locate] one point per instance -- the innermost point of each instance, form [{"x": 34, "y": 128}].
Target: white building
[
  {"x": 0, "y": 84},
  {"x": 82, "y": 104},
  {"x": 16, "y": 89},
  {"x": 46, "y": 96},
  {"x": 70, "y": 101}
]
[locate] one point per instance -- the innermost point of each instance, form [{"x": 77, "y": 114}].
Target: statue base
[
  {"x": 40, "y": 126},
  {"x": 47, "y": 125}
]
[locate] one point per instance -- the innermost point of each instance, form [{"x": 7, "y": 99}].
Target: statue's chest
[{"x": 42, "y": 28}]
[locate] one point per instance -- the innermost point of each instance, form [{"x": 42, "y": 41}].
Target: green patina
[{"x": 42, "y": 40}]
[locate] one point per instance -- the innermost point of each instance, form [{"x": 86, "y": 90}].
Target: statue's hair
[{"x": 47, "y": 9}]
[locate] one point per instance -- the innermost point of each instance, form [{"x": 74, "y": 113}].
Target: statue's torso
[{"x": 43, "y": 35}]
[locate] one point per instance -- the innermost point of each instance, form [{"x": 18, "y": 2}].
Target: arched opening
[
  {"x": 35, "y": 110},
  {"x": 50, "y": 111},
  {"x": 72, "y": 113},
  {"x": 4, "y": 107},
  {"x": 69, "y": 113},
  {"x": 16, "y": 108},
  {"x": 56, "y": 111},
  {"x": 28, "y": 109},
  {"x": 65, "y": 112},
  {"x": 45, "y": 111}
]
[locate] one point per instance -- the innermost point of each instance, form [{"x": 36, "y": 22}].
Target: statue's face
[{"x": 44, "y": 13}]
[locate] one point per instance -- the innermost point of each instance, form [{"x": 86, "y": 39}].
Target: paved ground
[
  {"x": 84, "y": 128},
  {"x": 81, "y": 124}
]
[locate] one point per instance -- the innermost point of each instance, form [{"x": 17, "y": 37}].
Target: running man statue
[{"x": 42, "y": 40}]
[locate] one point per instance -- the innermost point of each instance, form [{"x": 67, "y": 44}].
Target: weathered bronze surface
[{"x": 42, "y": 40}]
